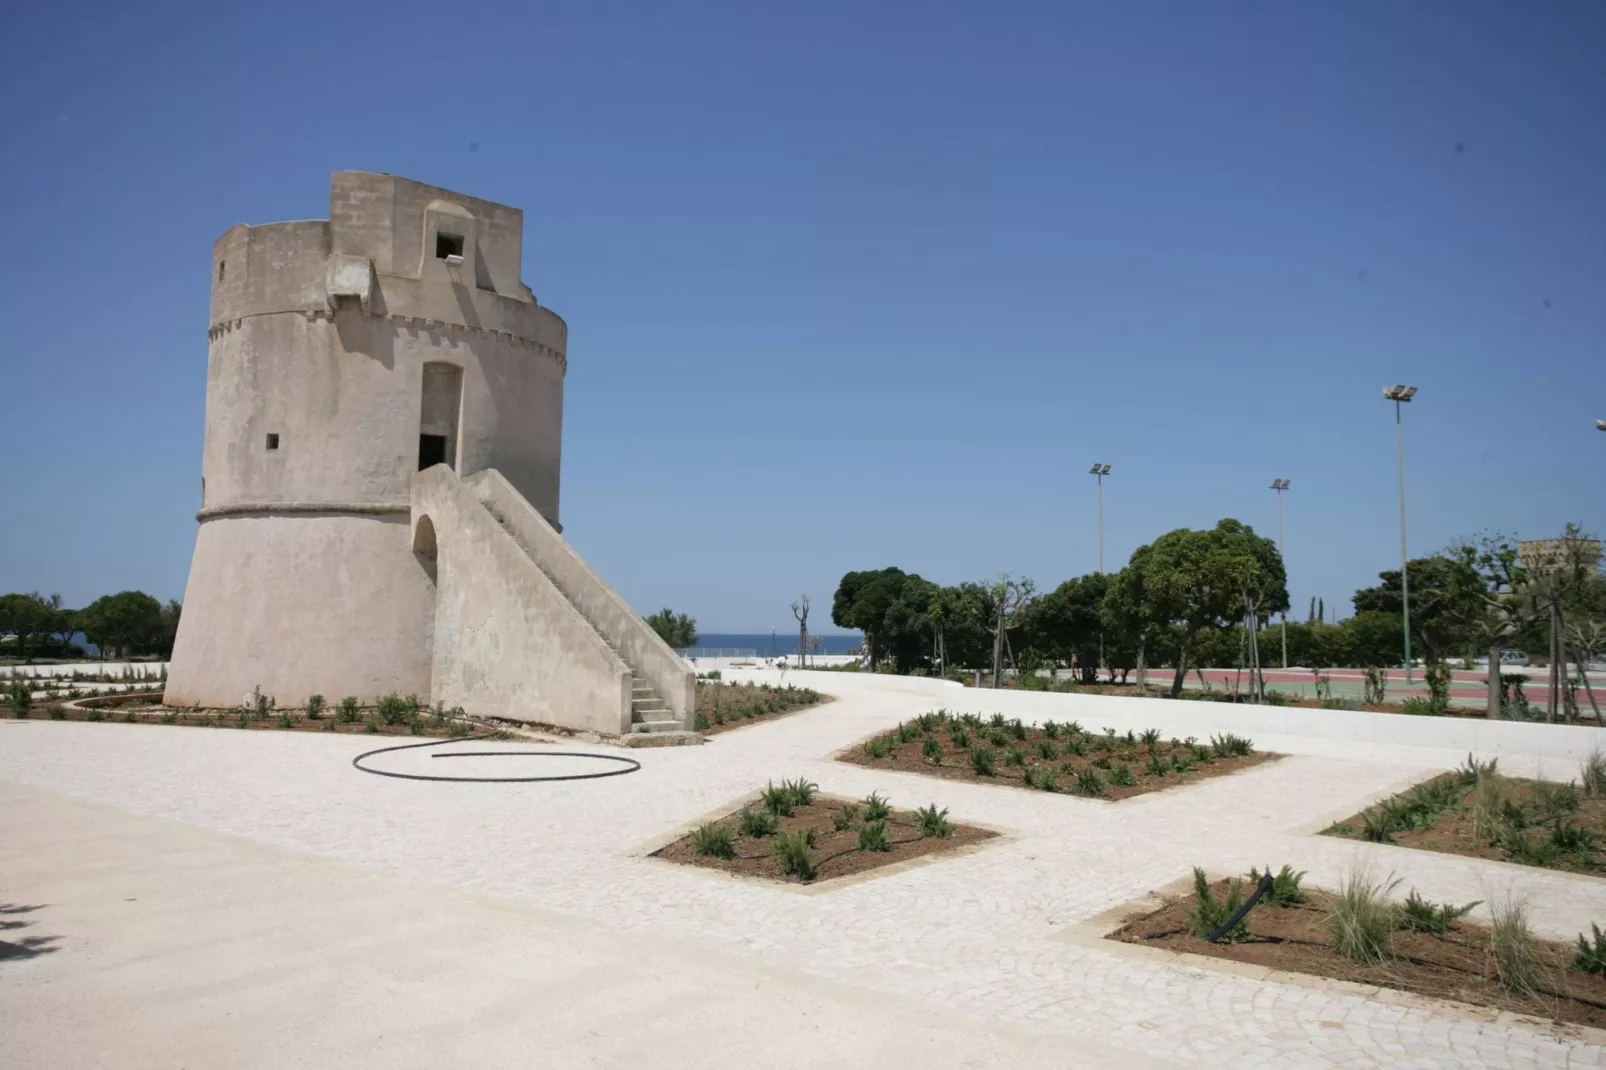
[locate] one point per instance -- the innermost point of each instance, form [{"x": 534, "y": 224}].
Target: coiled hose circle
[{"x": 630, "y": 764}]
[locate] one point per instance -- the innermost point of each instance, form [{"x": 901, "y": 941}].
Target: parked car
[{"x": 1508, "y": 658}]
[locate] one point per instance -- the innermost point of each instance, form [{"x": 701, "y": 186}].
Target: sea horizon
[{"x": 784, "y": 644}]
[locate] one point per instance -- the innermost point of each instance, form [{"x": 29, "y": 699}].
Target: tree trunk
[
  {"x": 1492, "y": 708},
  {"x": 998, "y": 649},
  {"x": 1182, "y": 666},
  {"x": 1143, "y": 666}
]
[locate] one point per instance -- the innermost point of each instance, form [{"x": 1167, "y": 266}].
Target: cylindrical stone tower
[{"x": 344, "y": 355}]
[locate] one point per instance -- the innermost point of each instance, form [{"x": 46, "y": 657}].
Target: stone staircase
[{"x": 649, "y": 713}]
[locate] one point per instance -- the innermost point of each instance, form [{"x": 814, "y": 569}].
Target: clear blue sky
[{"x": 854, "y": 285}]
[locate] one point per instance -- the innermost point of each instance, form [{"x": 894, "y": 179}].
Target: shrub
[
  {"x": 700, "y": 722},
  {"x": 873, "y": 836},
  {"x": 959, "y": 736},
  {"x": 1473, "y": 771},
  {"x": 1076, "y": 745},
  {"x": 1554, "y": 801},
  {"x": 284, "y": 720},
  {"x": 1377, "y": 685},
  {"x": 907, "y": 733},
  {"x": 1421, "y": 707},
  {"x": 982, "y": 761},
  {"x": 94, "y": 715},
  {"x": 934, "y": 822},
  {"x": 457, "y": 729},
  {"x": 1592, "y": 774},
  {"x": 1591, "y": 957},
  {"x": 1046, "y": 750},
  {"x": 931, "y": 750},
  {"x": 998, "y": 737},
  {"x": 1230, "y": 746},
  {"x": 1208, "y": 914},
  {"x": 1051, "y": 729},
  {"x": 1285, "y": 890},
  {"x": 1015, "y": 757},
  {"x": 878, "y": 746},
  {"x": 19, "y": 696},
  {"x": 1278, "y": 698},
  {"x": 714, "y": 841},
  {"x": 1341, "y": 703},
  {"x": 1122, "y": 776},
  {"x": 1150, "y": 738},
  {"x": 170, "y": 718},
  {"x": 346, "y": 712},
  {"x": 757, "y": 823},
  {"x": 997, "y": 721},
  {"x": 843, "y": 818},
  {"x": 1088, "y": 784},
  {"x": 370, "y": 727},
  {"x": 1517, "y": 953},
  {"x": 1041, "y": 777},
  {"x": 315, "y": 707},
  {"x": 1182, "y": 763},
  {"x": 877, "y": 808},
  {"x": 1154, "y": 766},
  {"x": 391, "y": 708},
  {"x": 777, "y": 800},
  {"x": 801, "y": 791},
  {"x": 1360, "y": 919},
  {"x": 1017, "y": 729},
  {"x": 1422, "y": 916},
  {"x": 1568, "y": 838},
  {"x": 796, "y": 852}
]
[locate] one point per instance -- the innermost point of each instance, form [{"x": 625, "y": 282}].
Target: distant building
[{"x": 1546, "y": 555}]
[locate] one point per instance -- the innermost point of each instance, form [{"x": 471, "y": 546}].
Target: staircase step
[{"x": 657, "y": 726}]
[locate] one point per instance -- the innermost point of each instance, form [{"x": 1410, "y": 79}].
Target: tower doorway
[{"x": 441, "y": 400}]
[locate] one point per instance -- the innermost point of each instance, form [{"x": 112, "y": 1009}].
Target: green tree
[
  {"x": 26, "y": 617},
  {"x": 1199, "y": 580},
  {"x": 679, "y": 630},
  {"x": 898, "y": 612},
  {"x": 1443, "y": 600},
  {"x": 1068, "y": 621},
  {"x": 1500, "y": 605},
  {"x": 122, "y": 622}
]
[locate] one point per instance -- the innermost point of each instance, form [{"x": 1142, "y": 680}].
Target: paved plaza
[{"x": 209, "y": 897}]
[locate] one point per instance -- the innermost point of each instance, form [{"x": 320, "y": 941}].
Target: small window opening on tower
[
  {"x": 273, "y": 441},
  {"x": 448, "y": 246},
  {"x": 221, "y": 264},
  {"x": 431, "y": 451}
]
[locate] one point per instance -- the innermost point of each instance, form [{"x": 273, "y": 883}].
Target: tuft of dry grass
[
  {"x": 1518, "y": 954},
  {"x": 1360, "y": 918}
]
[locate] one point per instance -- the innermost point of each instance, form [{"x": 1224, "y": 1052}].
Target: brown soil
[
  {"x": 1455, "y": 966},
  {"x": 954, "y": 762},
  {"x": 139, "y": 709},
  {"x": 722, "y": 707},
  {"x": 836, "y": 853},
  {"x": 1461, "y": 830}
]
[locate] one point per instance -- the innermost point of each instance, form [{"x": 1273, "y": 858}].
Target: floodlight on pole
[
  {"x": 1100, "y": 470},
  {"x": 1400, "y": 394},
  {"x": 1280, "y": 485},
  {"x": 1600, "y": 425}
]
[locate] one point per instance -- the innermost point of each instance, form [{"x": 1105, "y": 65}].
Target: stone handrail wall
[{"x": 609, "y": 614}]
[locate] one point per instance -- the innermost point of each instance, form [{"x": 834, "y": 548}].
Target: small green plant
[
  {"x": 1360, "y": 919},
  {"x": 392, "y": 709},
  {"x": 93, "y": 714},
  {"x": 1555, "y": 801},
  {"x": 1591, "y": 956},
  {"x": 1088, "y": 784},
  {"x": 1046, "y": 750},
  {"x": 1154, "y": 766},
  {"x": 701, "y": 722},
  {"x": 1121, "y": 776},
  {"x": 1076, "y": 746},
  {"x": 1051, "y": 729},
  {"x": 315, "y": 707},
  {"x": 1437, "y": 676},
  {"x": 844, "y": 817},
  {"x": 1418, "y": 706},
  {"x": 1230, "y": 746},
  {"x": 714, "y": 841},
  {"x": 1422, "y": 916},
  {"x": 19, "y": 696},
  {"x": 1341, "y": 703},
  {"x": 801, "y": 791},
  {"x": 1568, "y": 838},
  {"x": 931, "y": 750},
  {"x": 284, "y": 720},
  {"x": 1592, "y": 774},
  {"x": 170, "y": 718},
  {"x": 1015, "y": 757},
  {"x": 997, "y": 720},
  {"x": 457, "y": 729},
  {"x": 346, "y": 712},
  {"x": 1518, "y": 954},
  {"x": 370, "y": 727},
  {"x": 777, "y": 800},
  {"x": 796, "y": 853},
  {"x": 1150, "y": 738},
  {"x": 873, "y": 836},
  {"x": 1017, "y": 729},
  {"x": 878, "y": 746},
  {"x": 877, "y": 808},
  {"x": 1207, "y": 914},
  {"x": 907, "y": 733},
  {"x": 1285, "y": 890},
  {"x": 933, "y": 822},
  {"x": 1324, "y": 686},
  {"x": 983, "y": 760},
  {"x": 1277, "y": 698},
  {"x": 959, "y": 736},
  {"x": 1472, "y": 771},
  {"x": 757, "y": 823},
  {"x": 998, "y": 737},
  {"x": 1041, "y": 777},
  {"x": 1182, "y": 762}
]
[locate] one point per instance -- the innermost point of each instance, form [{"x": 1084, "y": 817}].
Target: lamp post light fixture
[
  {"x": 1100, "y": 470},
  {"x": 1400, "y": 395},
  {"x": 1600, "y": 425},
  {"x": 1280, "y": 485}
]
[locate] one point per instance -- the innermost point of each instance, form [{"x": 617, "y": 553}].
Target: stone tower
[{"x": 346, "y": 356}]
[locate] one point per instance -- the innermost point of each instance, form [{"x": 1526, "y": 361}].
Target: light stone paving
[{"x": 984, "y": 933}]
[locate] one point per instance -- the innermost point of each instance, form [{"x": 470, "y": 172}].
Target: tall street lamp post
[
  {"x": 1280, "y": 485},
  {"x": 1400, "y": 395},
  {"x": 1100, "y": 470}
]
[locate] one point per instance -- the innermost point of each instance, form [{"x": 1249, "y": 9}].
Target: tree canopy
[{"x": 679, "y": 630}]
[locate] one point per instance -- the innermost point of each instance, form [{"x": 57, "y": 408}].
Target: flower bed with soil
[
  {"x": 1475, "y": 811},
  {"x": 398, "y": 718},
  {"x": 721, "y": 706},
  {"x": 795, "y": 835},
  {"x": 1051, "y": 757},
  {"x": 1425, "y": 948}
]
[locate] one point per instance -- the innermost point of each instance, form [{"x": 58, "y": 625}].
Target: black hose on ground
[
  {"x": 630, "y": 764},
  {"x": 1261, "y": 888}
]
